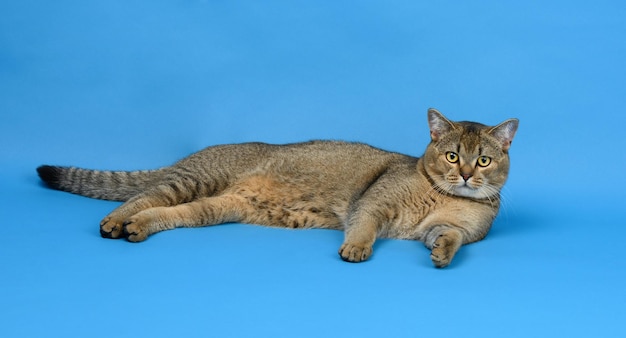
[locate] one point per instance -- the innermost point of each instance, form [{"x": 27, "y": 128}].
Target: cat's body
[{"x": 447, "y": 198}]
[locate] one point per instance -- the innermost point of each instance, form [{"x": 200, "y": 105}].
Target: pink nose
[{"x": 466, "y": 177}]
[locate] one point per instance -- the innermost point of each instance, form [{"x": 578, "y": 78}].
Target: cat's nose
[{"x": 466, "y": 176}]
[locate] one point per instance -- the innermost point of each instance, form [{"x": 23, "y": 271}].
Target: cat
[{"x": 447, "y": 198}]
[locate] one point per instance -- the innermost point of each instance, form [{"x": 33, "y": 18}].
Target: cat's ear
[
  {"x": 504, "y": 132},
  {"x": 439, "y": 124}
]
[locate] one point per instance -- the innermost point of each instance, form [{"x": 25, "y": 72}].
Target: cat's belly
[{"x": 292, "y": 205}]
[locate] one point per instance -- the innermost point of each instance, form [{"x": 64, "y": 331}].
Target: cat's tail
[{"x": 106, "y": 185}]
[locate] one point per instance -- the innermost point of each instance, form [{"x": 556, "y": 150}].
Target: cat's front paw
[
  {"x": 444, "y": 249},
  {"x": 440, "y": 257},
  {"x": 136, "y": 229},
  {"x": 355, "y": 253}
]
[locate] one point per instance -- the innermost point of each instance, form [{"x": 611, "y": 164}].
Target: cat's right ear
[{"x": 439, "y": 124}]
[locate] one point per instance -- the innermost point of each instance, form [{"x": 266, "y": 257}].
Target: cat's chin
[{"x": 467, "y": 191}]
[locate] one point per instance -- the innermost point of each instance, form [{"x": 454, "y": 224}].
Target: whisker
[
  {"x": 506, "y": 202},
  {"x": 435, "y": 192}
]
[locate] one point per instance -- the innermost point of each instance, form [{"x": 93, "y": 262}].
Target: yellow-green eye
[
  {"x": 452, "y": 157},
  {"x": 484, "y": 161}
]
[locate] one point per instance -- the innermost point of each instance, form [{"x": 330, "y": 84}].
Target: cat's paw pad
[
  {"x": 355, "y": 253},
  {"x": 136, "y": 229},
  {"x": 111, "y": 228}
]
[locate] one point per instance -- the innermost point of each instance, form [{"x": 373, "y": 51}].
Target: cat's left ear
[
  {"x": 439, "y": 124},
  {"x": 504, "y": 132}
]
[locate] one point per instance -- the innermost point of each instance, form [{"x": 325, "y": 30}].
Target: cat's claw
[{"x": 354, "y": 253}]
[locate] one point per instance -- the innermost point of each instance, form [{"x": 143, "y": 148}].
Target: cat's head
[{"x": 466, "y": 158}]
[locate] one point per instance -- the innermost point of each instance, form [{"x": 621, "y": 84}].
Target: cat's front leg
[
  {"x": 360, "y": 235},
  {"x": 444, "y": 241},
  {"x": 355, "y": 252}
]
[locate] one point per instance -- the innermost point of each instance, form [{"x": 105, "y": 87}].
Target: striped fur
[
  {"x": 105, "y": 185},
  {"x": 447, "y": 198}
]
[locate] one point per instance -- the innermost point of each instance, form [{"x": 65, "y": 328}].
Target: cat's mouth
[{"x": 471, "y": 188}]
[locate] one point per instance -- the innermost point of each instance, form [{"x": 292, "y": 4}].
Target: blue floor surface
[{"x": 140, "y": 84}]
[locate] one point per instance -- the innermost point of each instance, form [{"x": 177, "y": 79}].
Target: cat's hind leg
[
  {"x": 112, "y": 226},
  {"x": 164, "y": 195},
  {"x": 202, "y": 212}
]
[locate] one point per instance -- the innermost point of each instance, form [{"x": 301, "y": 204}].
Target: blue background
[{"x": 139, "y": 84}]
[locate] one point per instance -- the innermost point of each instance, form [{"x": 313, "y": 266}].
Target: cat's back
[
  {"x": 306, "y": 153},
  {"x": 329, "y": 149},
  {"x": 334, "y": 156},
  {"x": 332, "y": 164}
]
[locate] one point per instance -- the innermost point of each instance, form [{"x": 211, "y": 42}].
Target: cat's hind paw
[
  {"x": 355, "y": 253},
  {"x": 136, "y": 229},
  {"x": 111, "y": 228}
]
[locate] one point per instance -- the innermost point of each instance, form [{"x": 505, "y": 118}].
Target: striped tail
[{"x": 106, "y": 185}]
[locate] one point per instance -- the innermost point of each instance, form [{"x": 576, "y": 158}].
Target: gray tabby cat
[{"x": 447, "y": 198}]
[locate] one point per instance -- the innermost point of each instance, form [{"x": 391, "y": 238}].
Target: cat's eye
[
  {"x": 484, "y": 161},
  {"x": 452, "y": 157}
]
